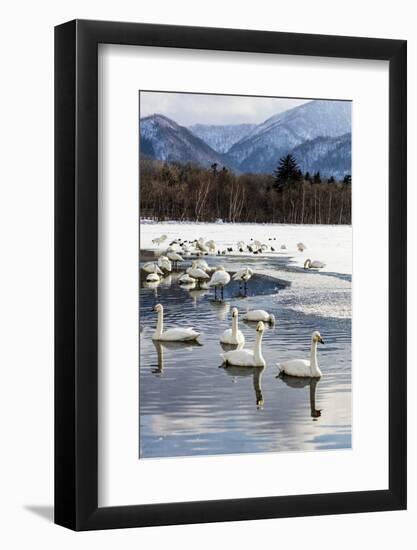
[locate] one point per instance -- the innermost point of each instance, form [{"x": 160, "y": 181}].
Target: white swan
[
  {"x": 315, "y": 264},
  {"x": 152, "y": 278},
  {"x": 220, "y": 278},
  {"x": 172, "y": 334},
  {"x": 304, "y": 367},
  {"x": 164, "y": 263},
  {"x": 243, "y": 276},
  {"x": 301, "y": 247},
  {"x": 233, "y": 336},
  {"x": 245, "y": 357},
  {"x": 151, "y": 267},
  {"x": 259, "y": 315},
  {"x": 197, "y": 273},
  {"x": 175, "y": 258},
  {"x": 186, "y": 279}
]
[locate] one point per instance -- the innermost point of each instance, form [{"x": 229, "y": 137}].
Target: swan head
[
  {"x": 260, "y": 327},
  {"x": 271, "y": 319},
  {"x": 158, "y": 308},
  {"x": 234, "y": 312},
  {"x": 316, "y": 337}
]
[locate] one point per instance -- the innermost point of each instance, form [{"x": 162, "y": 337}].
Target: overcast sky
[{"x": 187, "y": 109}]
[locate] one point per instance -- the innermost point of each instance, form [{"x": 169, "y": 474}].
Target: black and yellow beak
[{"x": 320, "y": 339}]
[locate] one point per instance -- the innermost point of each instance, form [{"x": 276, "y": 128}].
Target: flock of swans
[{"x": 201, "y": 275}]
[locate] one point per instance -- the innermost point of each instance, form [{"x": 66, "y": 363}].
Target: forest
[{"x": 188, "y": 192}]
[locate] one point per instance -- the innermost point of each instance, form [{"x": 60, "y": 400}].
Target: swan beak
[{"x": 321, "y": 340}]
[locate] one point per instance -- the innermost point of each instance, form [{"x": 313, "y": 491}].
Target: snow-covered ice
[{"x": 326, "y": 293}]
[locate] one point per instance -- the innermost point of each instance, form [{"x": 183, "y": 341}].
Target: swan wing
[
  {"x": 179, "y": 334},
  {"x": 256, "y": 315},
  {"x": 240, "y": 357},
  {"x": 295, "y": 367}
]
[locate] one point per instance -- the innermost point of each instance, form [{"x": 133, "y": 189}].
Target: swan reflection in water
[
  {"x": 242, "y": 372},
  {"x": 221, "y": 309},
  {"x": 161, "y": 346},
  {"x": 302, "y": 382},
  {"x": 152, "y": 286}
]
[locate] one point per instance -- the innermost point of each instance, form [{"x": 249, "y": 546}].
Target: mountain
[
  {"x": 317, "y": 133},
  {"x": 221, "y": 137},
  {"x": 261, "y": 149},
  {"x": 331, "y": 156},
  {"x": 163, "y": 139}
]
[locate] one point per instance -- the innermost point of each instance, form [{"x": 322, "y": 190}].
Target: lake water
[{"x": 189, "y": 405}]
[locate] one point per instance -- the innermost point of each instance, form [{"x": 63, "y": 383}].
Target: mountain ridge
[{"x": 318, "y": 133}]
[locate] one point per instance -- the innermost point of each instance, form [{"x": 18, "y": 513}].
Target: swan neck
[
  {"x": 160, "y": 323},
  {"x": 257, "y": 349},
  {"x": 313, "y": 357},
  {"x": 234, "y": 326}
]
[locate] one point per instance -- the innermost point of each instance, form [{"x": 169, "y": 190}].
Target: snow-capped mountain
[
  {"x": 331, "y": 156},
  {"x": 163, "y": 139},
  {"x": 280, "y": 134},
  {"x": 317, "y": 133},
  {"x": 221, "y": 137}
]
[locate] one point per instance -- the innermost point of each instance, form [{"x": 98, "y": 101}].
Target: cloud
[{"x": 187, "y": 109}]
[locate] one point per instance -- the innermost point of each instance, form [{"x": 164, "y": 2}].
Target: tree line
[{"x": 187, "y": 192}]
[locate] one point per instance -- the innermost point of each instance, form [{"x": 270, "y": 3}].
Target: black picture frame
[{"x": 76, "y": 272}]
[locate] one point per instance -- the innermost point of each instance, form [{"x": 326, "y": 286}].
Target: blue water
[{"x": 190, "y": 405}]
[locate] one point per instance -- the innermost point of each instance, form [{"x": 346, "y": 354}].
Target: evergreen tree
[
  {"x": 307, "y": 176},
  {"x": 331, "y": 180},
  {"x": 347, "y": 179},
  {"x": 317, "y": 178},
  {"x": 287, "y": 172}
]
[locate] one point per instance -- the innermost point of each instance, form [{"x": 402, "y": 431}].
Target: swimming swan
[
  {"x": 233, "y": 336},
  {"x": 259, "y": 315},
  {"x": 245, "y": 357},
  {"x": 315, "y": 264},
  {"x": 304, "y": 367},
  {"x": 172, "y": 334}
]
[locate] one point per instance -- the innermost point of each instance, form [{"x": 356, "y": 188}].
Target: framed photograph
[{"x": 230, "y": 244}]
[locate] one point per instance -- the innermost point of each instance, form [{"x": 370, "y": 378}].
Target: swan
[
  {"x": 164, "y": 263},
  {"x": 301, "y": 247},
  {"x": 152, "y": 267},
  {"x": 245, "y": 357},
  {"x": 172, "y": 334},
  {"x": 152, "y": 278},
  {"x": 233, "y": 336},
  {"x": 174, "y": 258},
  {"x": 304, "y": 367},
  {"x": 186, "y": 279},
  {"x": 197, "y": 273},
  {"x": 243, "y": 276},
  {"x": 315, "y": 264},
  {"x": 159, "y": 240},
  {"x": 211, "y": 245},
  {"x": 259, "y": 315},
  {"x": 201, "y": 264},
  {"x": 283, "y": 247},
  {"x": 220, "y": 278}
]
